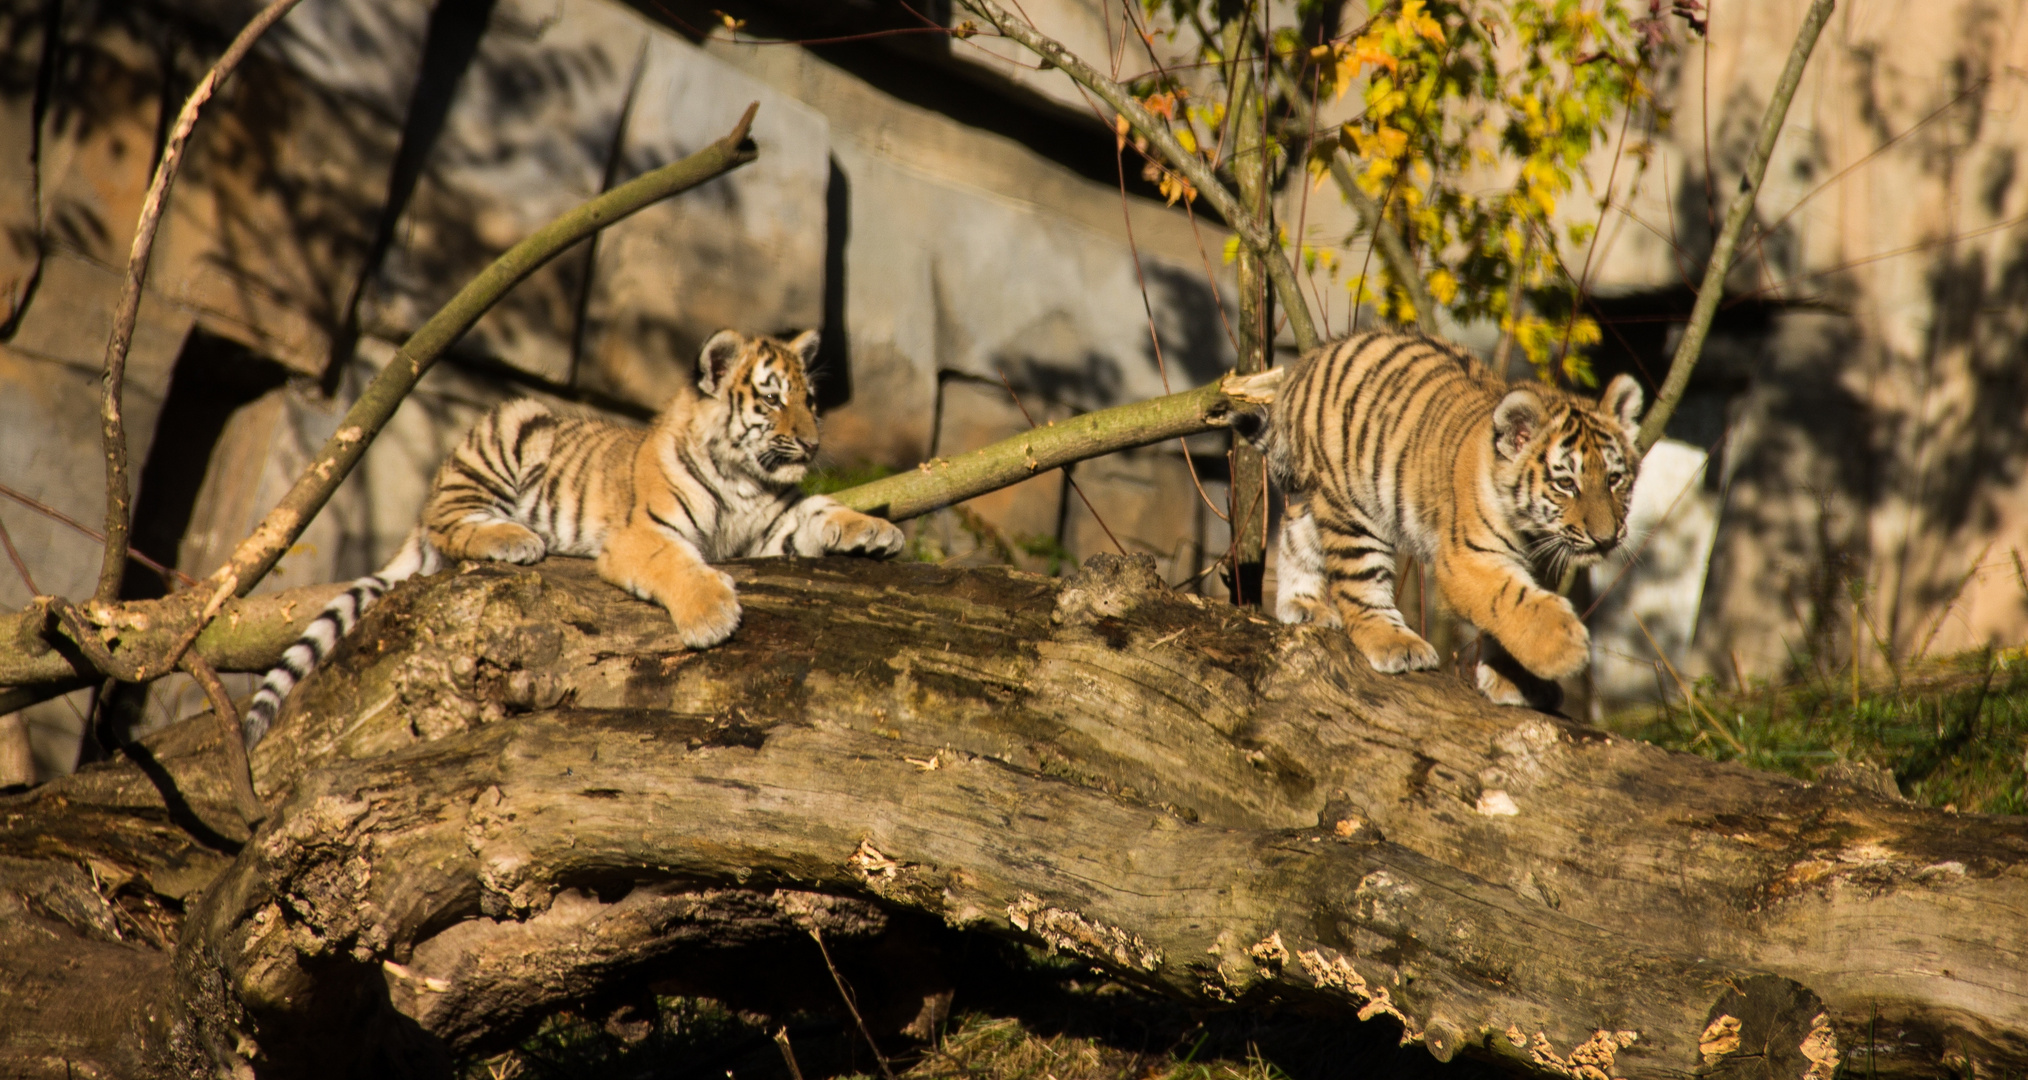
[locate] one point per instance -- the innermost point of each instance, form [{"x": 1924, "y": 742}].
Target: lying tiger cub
[
  {"x": 715, "y": 477},
  {"x": 1384, "y": 442}
]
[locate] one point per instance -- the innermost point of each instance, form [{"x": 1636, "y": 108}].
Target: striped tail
[{"x": 416, "y": 557}]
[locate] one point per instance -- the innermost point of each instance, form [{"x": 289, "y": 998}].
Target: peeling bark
[{"x": 513, "y": 789}]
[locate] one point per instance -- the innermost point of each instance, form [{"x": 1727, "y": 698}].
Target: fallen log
[{"x": 513, "y": 787}]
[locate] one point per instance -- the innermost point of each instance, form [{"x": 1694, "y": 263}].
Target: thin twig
[
  {"x": 1597, "y": 231},
  {"x": 114, "y": 563},
  {"x": 788, "y": 1055},
  {"x": 1148, "y": 309},
  {"x": 1253, "y": 232},
  {"x": 231, "y": 740},
  {"x": 89, "y": 642},
  {"x": 1713, "y": 288},
  {"x": 56, "y": 515},
  {"x": 1393, "y": 249},
  {"x": 20, "y": 567},
  {"x": 1689, "y": 696},
  {"x": 850, "y": 1006}
]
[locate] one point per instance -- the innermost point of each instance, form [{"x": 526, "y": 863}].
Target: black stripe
[
  {"x": 540, "y": 421},
  {"x": 691, "y": 469},
  {"x": 672, "y": 526},
  {"x": 489, "y": 483}
]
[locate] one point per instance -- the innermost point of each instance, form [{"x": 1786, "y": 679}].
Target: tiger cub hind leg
[
  {"x": 1359, "y": 579},
  {"x": 1299, "y": 571},
  {"x": 668, "y": 571},
  {"x": 819, "y": 525}
]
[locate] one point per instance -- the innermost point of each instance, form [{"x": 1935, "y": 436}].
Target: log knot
[{"x": 1108, "y": 587}]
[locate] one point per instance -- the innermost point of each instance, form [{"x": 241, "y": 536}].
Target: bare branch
[
  {"x": 249, "y": 635},
  {"x": 1713, "y": 288},
  {"x": 114, "y": 564},
  {"x": 231, "y": 741},
  {"x": 1253, "y": 231},
  {"x": 939, "y": 482}
]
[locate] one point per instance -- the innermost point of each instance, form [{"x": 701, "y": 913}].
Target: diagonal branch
[
  {"x": 1713, "y": 288},
  {"x": 258, "y": 552},
  {"x": 148, "y": 639},
  {"x": 1256, "y": 233},
  {"x": 114, "y": 431}
]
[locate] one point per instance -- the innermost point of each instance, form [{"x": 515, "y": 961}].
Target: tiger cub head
[
  {"x": 1566, "y": 467},
  {"x": 771, "y": 404}
]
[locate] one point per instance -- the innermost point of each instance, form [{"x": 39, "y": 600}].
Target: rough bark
[
  {"x": 512, "y": 788},
  {"x": 1253, "y": 176}
]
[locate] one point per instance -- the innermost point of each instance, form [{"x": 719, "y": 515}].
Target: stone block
[{"x": 746, "y": 251}]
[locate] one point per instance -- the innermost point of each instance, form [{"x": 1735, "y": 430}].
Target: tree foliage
[{"x": 1470, "y": 126}]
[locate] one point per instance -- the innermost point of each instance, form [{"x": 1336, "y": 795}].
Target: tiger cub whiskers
[
  {"x": 1385, "y": 443},
  {"x": 715, "y": 476}
]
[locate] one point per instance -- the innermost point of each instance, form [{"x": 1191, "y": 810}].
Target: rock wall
[
  {"x": 1851, "y": 454},
  {"x": 373, "y": 155}
]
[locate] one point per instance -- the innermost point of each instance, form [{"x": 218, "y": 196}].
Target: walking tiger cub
[
  {"x": 714, "y": 477},
  {"x": 1384, "y": 442}
]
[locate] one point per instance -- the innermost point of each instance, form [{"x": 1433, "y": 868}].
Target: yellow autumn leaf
[
  {"x": 1443, "y": 287},
  {"x": 1414, "y": 20},
  {"x": 1187, "y": 138},
  {"x": 1387, "y": 142}
]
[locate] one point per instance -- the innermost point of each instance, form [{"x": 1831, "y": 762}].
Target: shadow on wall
[{"x": 1197, "y": 345}]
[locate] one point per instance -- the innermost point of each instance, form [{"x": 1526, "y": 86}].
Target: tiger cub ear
[
  {"x": 805, "y": 345},
  {"x": 716, "y": 361},
  {"x": 1515, "y": 421},
  {"x": 1622, "y": 401}
]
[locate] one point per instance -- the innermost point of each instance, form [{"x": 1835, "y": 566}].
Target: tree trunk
[
  {"x": 1252, "y": 173},
  {"x": 512, "y": 789}
]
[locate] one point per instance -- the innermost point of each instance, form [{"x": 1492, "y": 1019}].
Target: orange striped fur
[
  {"x": 714, "y": 477},
  {"x": 1387, "y": 443}
]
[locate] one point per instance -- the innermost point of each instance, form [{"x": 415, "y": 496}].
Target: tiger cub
[
  {"x": 714, "y": 477},
  {"x": 1384, "y": 442}
]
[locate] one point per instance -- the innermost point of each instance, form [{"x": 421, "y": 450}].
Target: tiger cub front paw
[
  {"x": 1393, "y": 649},
  {"x": 505, "y": 541},
  {"x": 852, "y": 533},
  {"x": 1547, "y": 638},
  {"x": 705, "y": 609}
]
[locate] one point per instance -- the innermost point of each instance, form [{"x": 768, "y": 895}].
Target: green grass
[{"x": 1953, "y": 732}]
